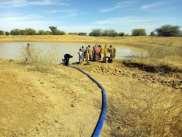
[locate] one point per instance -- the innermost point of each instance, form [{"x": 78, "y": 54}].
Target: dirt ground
[
  {"x": 58, "y": 103},
  {"x": 61, "y": 102},
  {"x": 141, "y": 103}
]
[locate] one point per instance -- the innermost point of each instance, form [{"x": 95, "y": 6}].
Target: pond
[{"x": 13, "y": 50}]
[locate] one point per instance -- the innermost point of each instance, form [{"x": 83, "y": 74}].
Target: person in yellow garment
[
  {"x": 90, "y": 51},
  {"x": 112, "y": 54},
  {"x": 87, "y": 55},
  {"x": 105, "y": 54}
]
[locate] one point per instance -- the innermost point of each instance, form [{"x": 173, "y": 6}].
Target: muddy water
[{"x": 14, "y": 50}]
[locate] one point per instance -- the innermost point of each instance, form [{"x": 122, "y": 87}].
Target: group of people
[{"x": 97, "y": 53}]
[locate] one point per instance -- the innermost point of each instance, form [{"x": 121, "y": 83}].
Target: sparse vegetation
[
  {"x": 168, "y": 31},
  {"x": 139, "y": 32},
  {"x": 144, "y": 94}
]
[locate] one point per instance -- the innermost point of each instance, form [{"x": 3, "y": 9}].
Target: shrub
[
  {"x": 139, "y": 32},
  {"x": 96, "y": 32},
  {"x": 55, "y": 31},
  {"x": 168, "y": 31},
  {"x": 1, "y": 32}
]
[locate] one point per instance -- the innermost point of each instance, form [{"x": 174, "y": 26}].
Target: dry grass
[
  {"x": 132, "y": 41},
  {"x": 39, "y": 60}
]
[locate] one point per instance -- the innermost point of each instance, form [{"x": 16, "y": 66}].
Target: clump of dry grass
[
  {"x": 168, "y": 55},
  {"x": 39, "y": 60}
]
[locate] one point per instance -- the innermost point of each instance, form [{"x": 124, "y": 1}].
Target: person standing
[
  {"x": 111, "y": 51},
  {"x": 83, "y": 50},
  {"x": 90, "y": 52},
  {"x": 94, "y": 53},
  {"x": 87, "y": 55},
  {"x": 106, "y": 54},
  {"x": 28, "y": 58},
  {"x": 81, "y": 56}
]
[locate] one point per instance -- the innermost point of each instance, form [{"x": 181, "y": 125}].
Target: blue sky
[{"x": 85, "y": 15}]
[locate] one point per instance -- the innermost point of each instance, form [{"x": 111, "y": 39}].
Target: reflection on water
[{"x": 14, "y": 50}]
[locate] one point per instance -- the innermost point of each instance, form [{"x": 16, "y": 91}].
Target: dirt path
[{"x": 61, "y": 102}]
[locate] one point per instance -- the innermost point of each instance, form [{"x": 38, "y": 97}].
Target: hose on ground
[{"x": 102, "y": 117}]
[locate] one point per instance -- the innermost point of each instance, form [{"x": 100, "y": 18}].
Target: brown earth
[
  {"x": 141, "y": 103},
  {"x": 52, "y": 101},
  {"x": 57, "y": 102}
]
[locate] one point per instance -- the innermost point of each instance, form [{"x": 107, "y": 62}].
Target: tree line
[{"x": 166, "y": 30}]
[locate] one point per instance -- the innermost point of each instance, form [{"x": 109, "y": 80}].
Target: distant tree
[
  {"x": 55, "y": 31},
  {"x": 139, "y": 32},
  {"x": 28, "y": 31},
  {"x": 96, "y": 32},
  {"x": 43, "y": 32},
  {"x": 73, "y": 33},
  {"x": 82, "y": 34},
  {"x": 16, "y": 32},
  {"x": 180, "y": 33},
  {"x": 110, "y": 33},
  {"x": 121, "y": 34},
  {"x": 7, "y": 33},
  {"x": 1, "y": 32},
  {"x": 168, "y": 31},
  {"x": 152, "y": 33}
]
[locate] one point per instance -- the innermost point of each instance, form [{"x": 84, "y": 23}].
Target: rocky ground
[{"x": 141, "y": 103}]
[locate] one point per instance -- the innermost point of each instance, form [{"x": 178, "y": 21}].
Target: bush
[
  {"x": 42, "y": 32},
  {"x": 55, "y": 31},
  {"x": 7, "y": 33},
  {"x": 100, "y": 32},
  {"x": 96, "y": 32},
  {"x": 152, "y": 34},
  {"x": 110, "y": 33},
  {"x": 168, "y": 31},
  {"x": 82, "y": 34},
  {"x": 15, "y": 32},
  {"x": 139, "y": 32},
  {"x": 121, "y": 34},
  {"x": 29, "y": 31},
  {"x": 1, "y": 32}
]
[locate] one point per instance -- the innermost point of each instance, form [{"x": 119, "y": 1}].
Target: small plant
[{"x": 40, "y": 60}]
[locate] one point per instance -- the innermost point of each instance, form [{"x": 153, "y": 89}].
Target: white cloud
[
  {"x": 65, "y": 12},
  {"x": 110, "y": 9},
  {"x": 21, "y": 3},
  {"x": 152, "y": 5},
  {"x": 119, "y": 20},
  {"x": 118, "y": 5},
  {"x": 16, "y": 20}
]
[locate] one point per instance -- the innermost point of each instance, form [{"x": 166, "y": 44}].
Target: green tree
[
  {"x": 82, "y": 34},
  {"x": 7, "y": 33},
  {"x": 1, "y": 32},
  {"x": 110, "y": 33},
  {"x": 55, "y": 31},
  {"x": 139, "y": 32},
  {"x": 168, "y": 31},
  {"x": 96, "y": 32},
  {"x": 16, "y": 32},
  {"x": 121, "y": 34},
  {"x": 43, "y": 32},
  {"x": 28, "y": 31},
  {"x": 152, "y": 33}
]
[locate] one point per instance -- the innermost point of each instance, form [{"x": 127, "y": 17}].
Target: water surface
[{"x": 14, "y": 50}]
